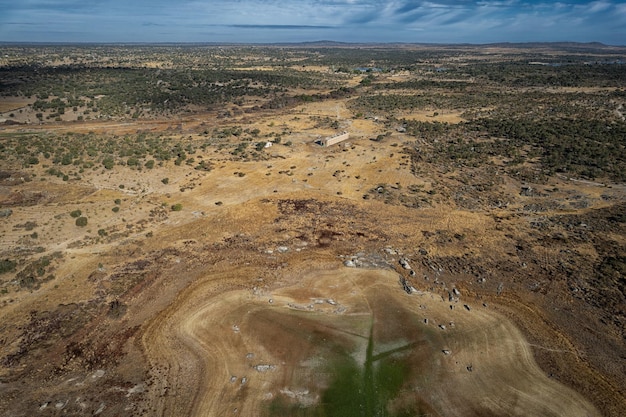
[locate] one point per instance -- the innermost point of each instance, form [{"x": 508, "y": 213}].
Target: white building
[{"x": 335, "y": 139}]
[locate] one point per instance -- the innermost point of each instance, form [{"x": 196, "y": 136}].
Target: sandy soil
[
  {"x": 221, "y": 344},
  {"x": 8, "y": 104},
  {"x": 168, "y": 312}
]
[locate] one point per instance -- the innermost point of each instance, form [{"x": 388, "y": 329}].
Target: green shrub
[
  {"x": 108, "y": 163},
  {"x": 7, "y": 265},
  {"x": 115, "y": 209},
  {"x": 81, "y": 221},
  {"x": 117, "y": 201},
  {"x": 76, "y": 213},
  {"x": 177, "y": 207},
  {"x": 165, "y": 181}
]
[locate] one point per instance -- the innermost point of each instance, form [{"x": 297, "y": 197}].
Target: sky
[{"x": 269, "y": 21}]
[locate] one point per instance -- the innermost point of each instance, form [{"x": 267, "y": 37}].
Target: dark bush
[{"x": 7, "y": 265}]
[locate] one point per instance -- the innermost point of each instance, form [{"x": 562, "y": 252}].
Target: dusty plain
[{"x": 243, "y": 274}]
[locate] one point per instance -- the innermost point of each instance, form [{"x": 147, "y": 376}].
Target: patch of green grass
[{"x": 356, "y": 390}]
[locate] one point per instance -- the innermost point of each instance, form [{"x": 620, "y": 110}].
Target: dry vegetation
[{"x": 174, "y": 242}]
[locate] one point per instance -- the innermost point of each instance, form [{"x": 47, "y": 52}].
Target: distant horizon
[
  {"x": 318, "y": 42},
  {"x": 348, "y": 21}
]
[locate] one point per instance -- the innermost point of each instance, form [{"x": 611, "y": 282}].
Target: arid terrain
[{"x": 176, "y": 242}]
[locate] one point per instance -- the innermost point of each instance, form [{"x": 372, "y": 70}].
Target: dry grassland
[
  {"x": 8, "y": 104},
  {"x": 239, "y": 300}
]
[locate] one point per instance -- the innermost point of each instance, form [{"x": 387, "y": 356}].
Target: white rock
[
  {"x": 98, "y": 374},
  {"x": 264, "y": 368},
  {"x": 405, "y": 264}
]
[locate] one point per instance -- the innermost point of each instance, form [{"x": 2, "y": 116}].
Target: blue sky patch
[{"x": 258, "y": 21}]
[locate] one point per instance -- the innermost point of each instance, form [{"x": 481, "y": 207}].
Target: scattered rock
[
  {"x": 390, "y": 251},
  {"x": 340, "y": 310},
  {"x": 264, "y": 368},
  {"x": 405, "y": 285},
  {"x": 405, "y": 264},
  {"x": 137, "y": 389},
  {"x": 99, "y": 410},
  {"x": 527, "y": 191},
  {"x": 98, "y": 374}
]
